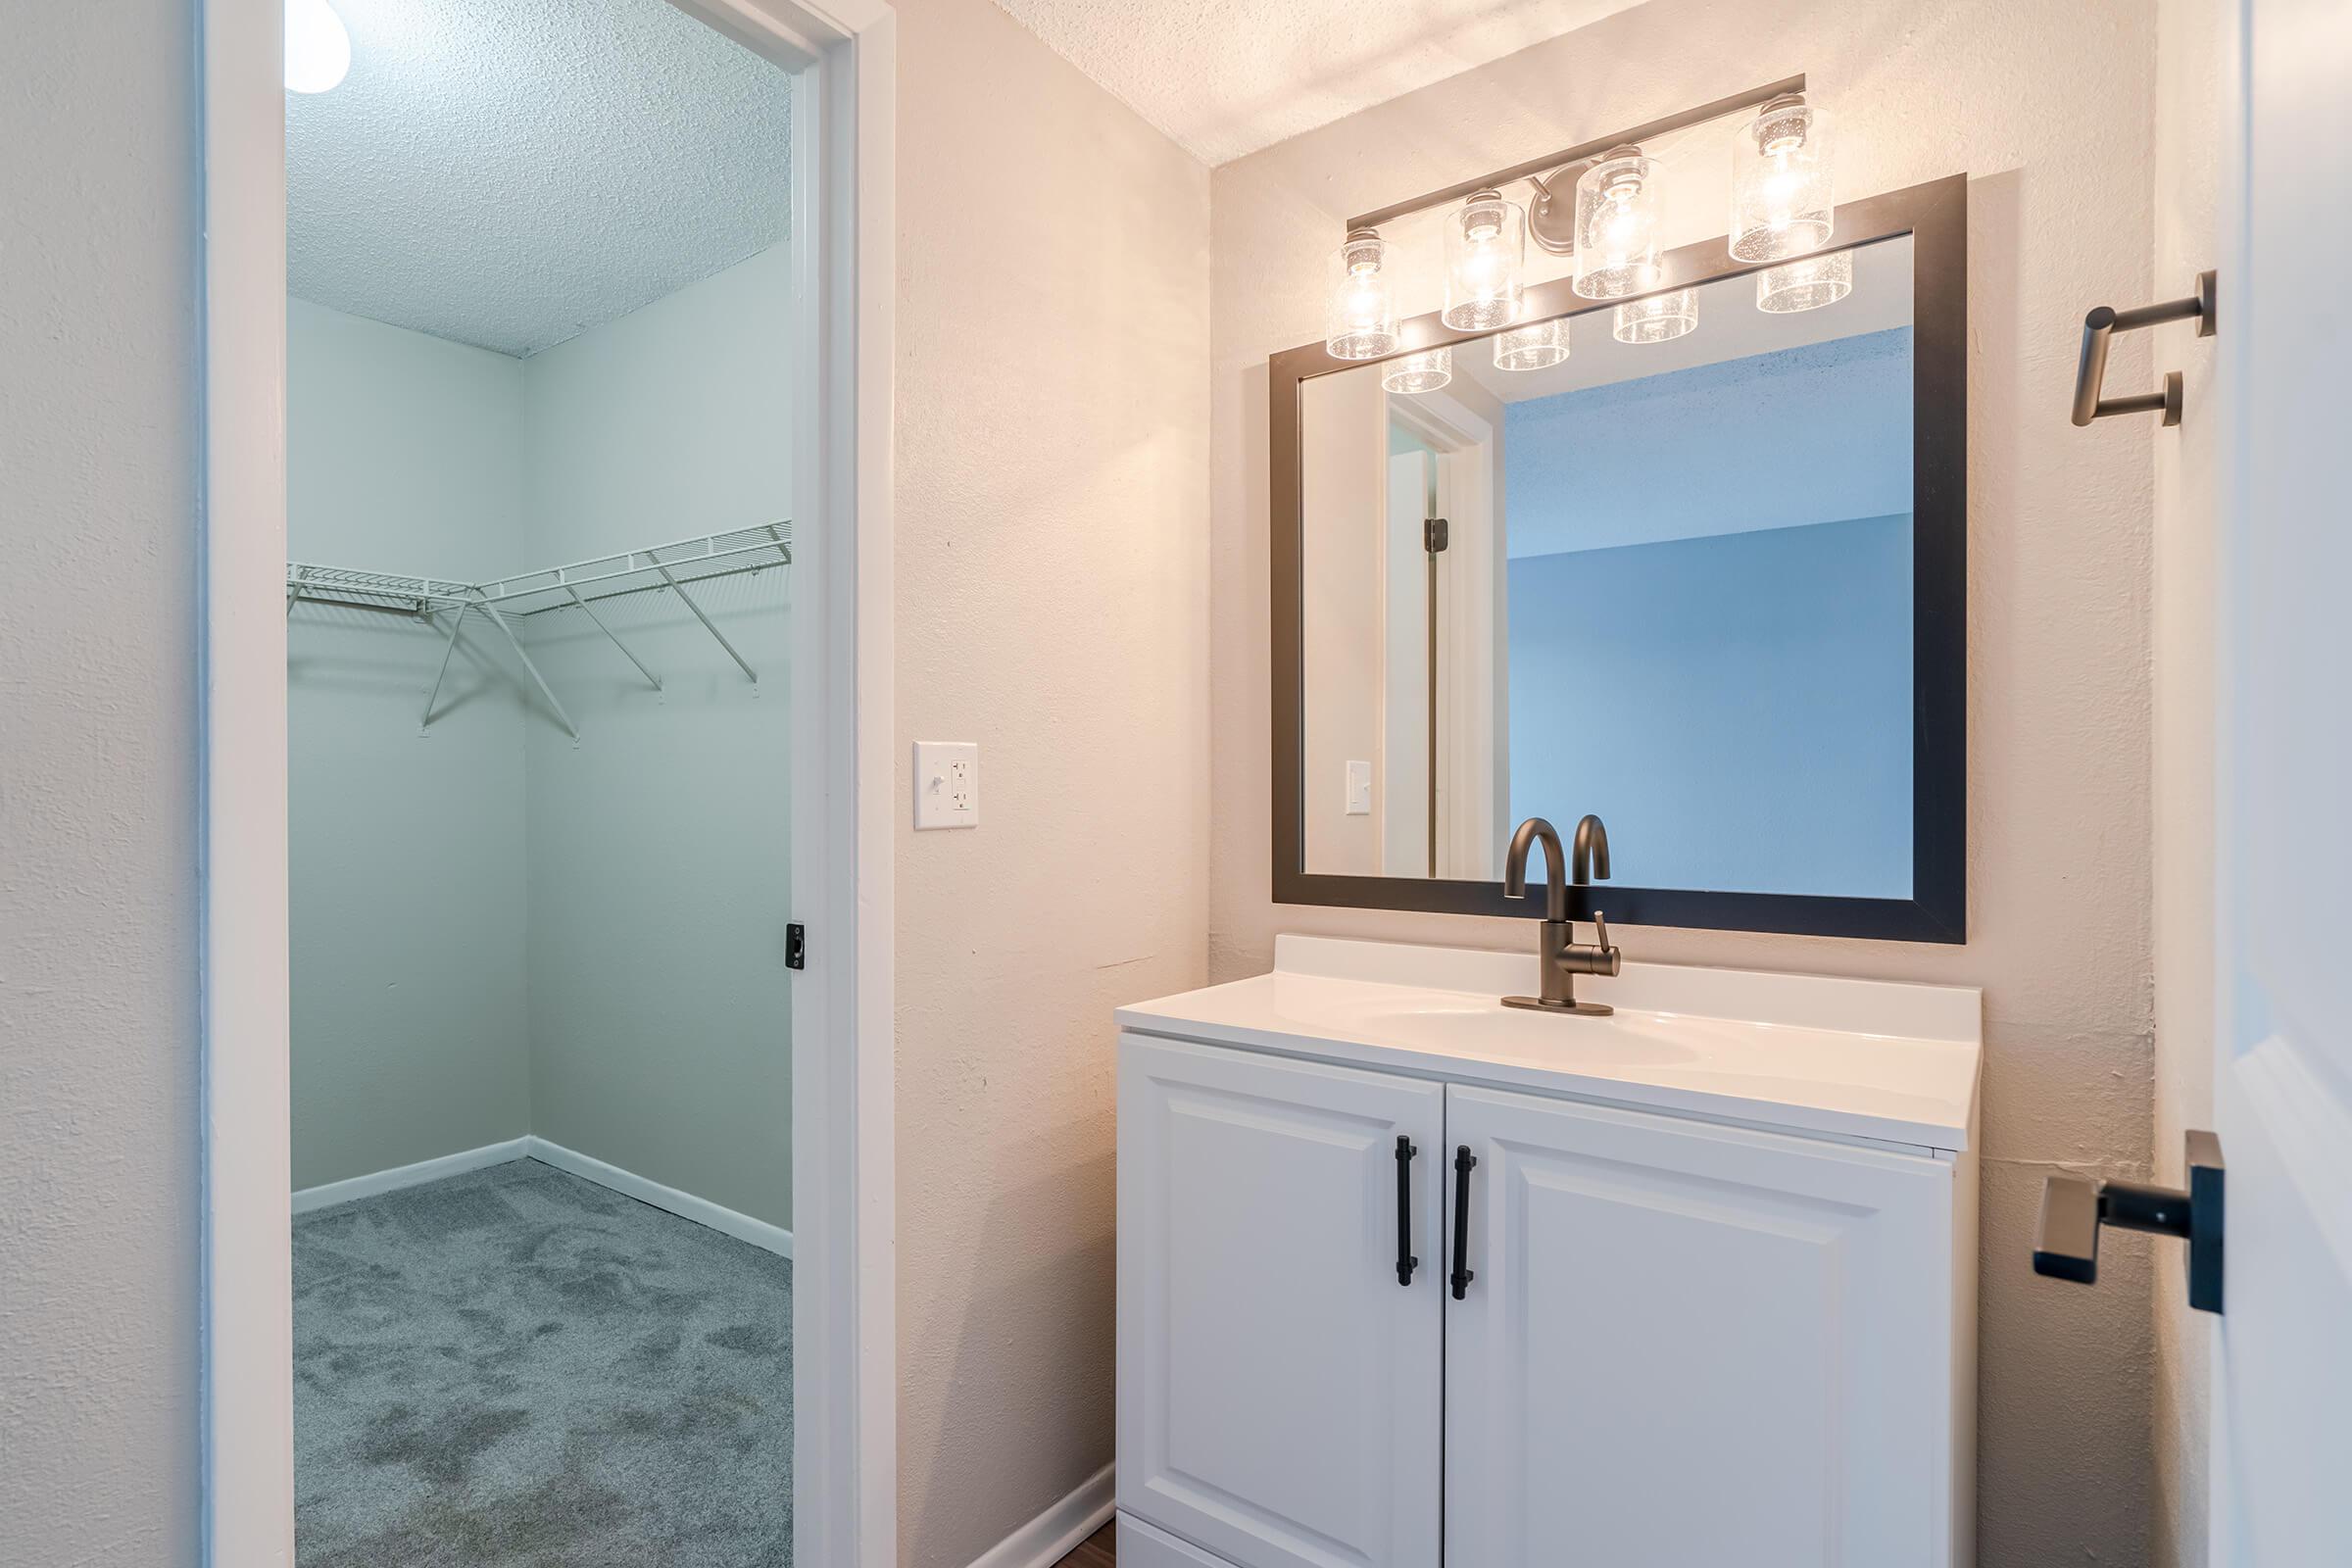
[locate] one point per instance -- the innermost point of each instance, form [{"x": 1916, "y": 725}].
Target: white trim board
[
  {"x": 670, "y": 1199},
  {"x": 1053, "y": 1535},
  {"x": 759, "y": 1232},
  {"x": 328, "y": 1193}
]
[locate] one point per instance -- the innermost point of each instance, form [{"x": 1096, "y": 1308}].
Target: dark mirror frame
[{"x": 1936, "y": 217}]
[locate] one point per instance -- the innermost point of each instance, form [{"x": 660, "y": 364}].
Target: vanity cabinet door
[
  {"x": 1686, "y": 1344},
  {"x": 1279, "y": 1390}
]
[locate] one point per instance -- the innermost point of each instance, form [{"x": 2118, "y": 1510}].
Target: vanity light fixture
[
  {"x": 1659, "y": 318},
  {"x": 1425, "y": 371},
  {"x": 1782, "y": 204},
  {"x": 1485, "y": 256},
  {"x": 1600, "y": 202},
  {"x": 1617, "y": 225},
  {"x": 1807, "y": 284},
  {"x": 1538, "y": 347},
  {"x": 318, "y": 47},
  {"x": 1359, "y": 314}
]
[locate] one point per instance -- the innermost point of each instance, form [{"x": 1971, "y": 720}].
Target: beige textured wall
[
  {"x": 2047, "y": 105},
  {"x": 2194, "y": 68},
  {"x": 98, "y": 301},
  {"x": 1343, "y": 441},
  {"x": 1052, "y": 460}
]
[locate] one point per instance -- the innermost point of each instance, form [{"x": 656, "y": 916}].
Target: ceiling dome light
[
  {"x": 1781, "y": 200},
  {"x": 1806, "y": 285},
  {"x": 1659, "y": 318},
  {"x": 1359, "y": 313},
  {"x": 1425, "y": 371},
  {"x": 318, "y": 47},
  {"x": 1486, "y": 253},
  {"x": 1533, "y": 347},
  {"x": 1617, "y": 225}
]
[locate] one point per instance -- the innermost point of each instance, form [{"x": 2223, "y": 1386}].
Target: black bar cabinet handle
[
  {"x": 1406, "y": 1262},
  {"x": 1465, "y": 1162}
]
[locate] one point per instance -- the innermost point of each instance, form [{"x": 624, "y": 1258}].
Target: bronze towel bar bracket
[{"x": 2103, "y": 322}]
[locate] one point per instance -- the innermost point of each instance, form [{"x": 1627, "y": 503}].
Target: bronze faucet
[{"x": 1559, "y": 955}]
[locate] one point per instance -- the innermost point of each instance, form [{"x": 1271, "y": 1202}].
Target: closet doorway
[{"x": 572, "y": 1059}]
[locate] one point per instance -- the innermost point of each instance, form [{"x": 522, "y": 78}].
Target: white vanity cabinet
[
  {"x": 1681, "y": 1340},
  {"x": 1280, "y": 1397},
  {"x": 1689, "y": 1345}
]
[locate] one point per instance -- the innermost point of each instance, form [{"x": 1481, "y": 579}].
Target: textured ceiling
[
  {"x": 1225, "y": 77},
  {"x": 512, "y": 172}
]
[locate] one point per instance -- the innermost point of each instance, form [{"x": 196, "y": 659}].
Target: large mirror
[{"x": 1694, "y": 564}]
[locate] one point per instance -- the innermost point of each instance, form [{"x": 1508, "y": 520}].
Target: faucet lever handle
[{"x": 1601, "y": 929}]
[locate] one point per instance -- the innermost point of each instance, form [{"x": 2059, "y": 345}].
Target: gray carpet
[{"x": 517, "y": 1367}]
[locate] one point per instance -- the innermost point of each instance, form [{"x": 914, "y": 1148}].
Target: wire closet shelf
[{"x": 580, "y": 585}]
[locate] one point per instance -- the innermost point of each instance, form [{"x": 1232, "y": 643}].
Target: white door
[
  {"x": 1279, "y": 1389},
  {"x": 2283, "y": 1461},
  {"x": 1687, "y": 1344}
]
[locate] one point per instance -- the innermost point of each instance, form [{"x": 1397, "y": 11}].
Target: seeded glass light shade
[
  {"x": 1425, "y": 371},
  {"x": 1532, "y": 348},
  {"x": 1359, "y": 314},
  {"x": 1806, "y": 285},
  {"x": 1781, "y": 204},
  {"x": 1658, "y": 319},
  {"x": 1617, "y": 227},
  {"x": 1486, "y": 258}
]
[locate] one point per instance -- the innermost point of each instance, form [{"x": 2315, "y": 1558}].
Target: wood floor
[{"x": 1094, "y": 1551}]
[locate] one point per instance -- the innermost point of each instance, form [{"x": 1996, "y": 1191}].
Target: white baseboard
[
  {"x": 759, "y": 1232},
  {"x": 1053, "y": 1535},
  {"x": 416, "y": 1175}
]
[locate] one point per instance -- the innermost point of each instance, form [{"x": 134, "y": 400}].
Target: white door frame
[
  {"x": 843, "y": 1317},
  {"x": 1473, "y": 738}
]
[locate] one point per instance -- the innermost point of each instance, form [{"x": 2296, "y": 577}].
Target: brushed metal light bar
[{"x": 1584, "y": 150}]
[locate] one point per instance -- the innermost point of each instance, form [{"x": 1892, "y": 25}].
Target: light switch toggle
[{"x": 946, "y": 784}]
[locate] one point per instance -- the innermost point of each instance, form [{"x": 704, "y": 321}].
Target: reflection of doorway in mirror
[{"x": 1445, "y": 743}]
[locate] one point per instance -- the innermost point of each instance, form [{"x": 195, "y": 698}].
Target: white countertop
[{"x": 1808, "y": 1053}]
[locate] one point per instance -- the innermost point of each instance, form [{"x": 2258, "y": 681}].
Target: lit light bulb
[
  {"x": 1486, "y": 247},
  {"x": 1359, "y": 314},
  {"x": 318, "y": 47},
  {"x": 1783, "y": 204},
  {"x": 1617, "y": 227}
]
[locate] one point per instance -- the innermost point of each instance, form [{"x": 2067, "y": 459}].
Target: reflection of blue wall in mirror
[
  {"x": 1736, "y": 705},
  {"x": 1800, "y": 435}
]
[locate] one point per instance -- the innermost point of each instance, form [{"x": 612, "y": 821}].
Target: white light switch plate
[
  {"x": 1359, "y": 789},
  {"x": 946, "y": 784}
]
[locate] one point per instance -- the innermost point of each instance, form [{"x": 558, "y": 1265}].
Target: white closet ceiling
[
  {"x": 1225, "y": 77},
  {"x": 512, "y": 172}
]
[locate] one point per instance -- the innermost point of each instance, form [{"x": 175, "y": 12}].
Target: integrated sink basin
[
  {"x": 1448, "y": 1020},
  {"x": 1878, "y": 1060}
]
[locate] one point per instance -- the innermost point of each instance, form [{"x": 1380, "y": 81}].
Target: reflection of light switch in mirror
[
  {"x": 1359, "y": 789},
  {"x": 946, "y": 784}
]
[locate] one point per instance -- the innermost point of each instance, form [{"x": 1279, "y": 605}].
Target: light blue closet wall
[
  {"x": 661, "y": 1018},
  {"x": 1737, "y": 706},
  {"x": 408, "y": 895},
  {"x": 498, "y": 931}
]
